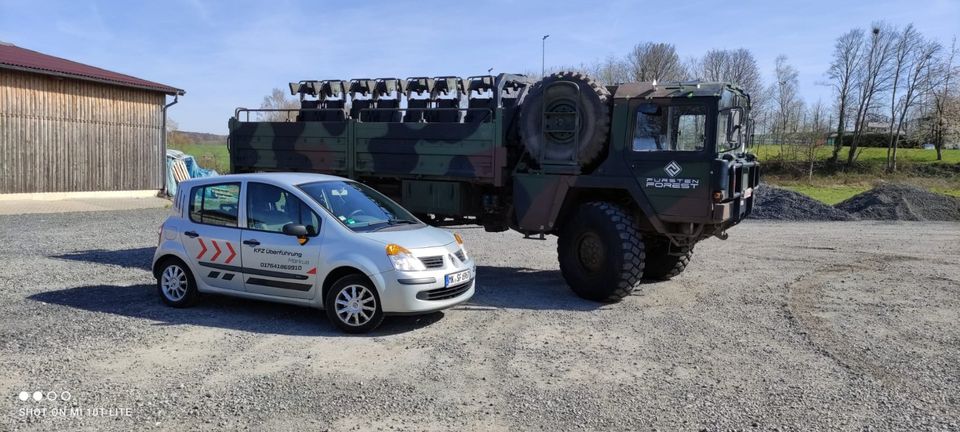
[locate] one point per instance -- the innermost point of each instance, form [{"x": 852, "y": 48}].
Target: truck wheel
[
  {"x": 593, "y": 115},
  {"x": 660, "y": 264},
  {"x": 601, "y": 252}
]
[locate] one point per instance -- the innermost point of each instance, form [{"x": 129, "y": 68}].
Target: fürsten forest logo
[{"x": 672, "y": 169}]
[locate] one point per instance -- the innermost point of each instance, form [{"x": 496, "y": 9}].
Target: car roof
[{"x": 288, "y": 178}]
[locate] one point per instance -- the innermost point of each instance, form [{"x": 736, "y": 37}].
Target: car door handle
[
  {"x": 251, "y": 242},
  {"x": 191, "y": 234}
]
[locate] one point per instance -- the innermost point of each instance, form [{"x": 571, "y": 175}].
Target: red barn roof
[{"x": 14, "y": 57}]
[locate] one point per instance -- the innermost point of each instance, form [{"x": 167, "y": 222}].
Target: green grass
[
  {"x": 213, "y": 156},
  {"x": 868, "y": 155},
  {"x": 827, "y": 194}
]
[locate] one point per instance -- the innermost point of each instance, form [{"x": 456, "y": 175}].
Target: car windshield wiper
[{"x": 394, "y": 222}]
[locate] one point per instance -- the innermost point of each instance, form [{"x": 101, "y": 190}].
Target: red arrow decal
[
  {"x": 233, "y": 254},
  {"x": 312, "y": 271},
  {"x": 217, "y": 247},
  {"x": 203, "y": 249}
]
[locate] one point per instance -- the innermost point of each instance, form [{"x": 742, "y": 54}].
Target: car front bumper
[{"x": 422, "y": 291}]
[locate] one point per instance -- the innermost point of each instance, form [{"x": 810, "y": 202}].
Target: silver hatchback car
[{"x": 312, "y": 240}]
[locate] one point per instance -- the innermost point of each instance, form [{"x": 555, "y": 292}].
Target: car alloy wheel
[
  {"x": 355, "y": 305},
  {"x": 174, "y": 283}
]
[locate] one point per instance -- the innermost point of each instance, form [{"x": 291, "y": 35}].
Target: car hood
[{"x": 425, "y": 237}]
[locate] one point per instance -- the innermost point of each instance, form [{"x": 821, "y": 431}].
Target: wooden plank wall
[{"x": 65, "y": 135}]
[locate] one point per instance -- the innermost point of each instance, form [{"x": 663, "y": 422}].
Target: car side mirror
[{"x": 295, "y": 230}]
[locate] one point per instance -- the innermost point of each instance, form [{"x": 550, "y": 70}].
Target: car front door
[
  {"x": 212, "y": 240},
  {"x": 275, "y": 263}
]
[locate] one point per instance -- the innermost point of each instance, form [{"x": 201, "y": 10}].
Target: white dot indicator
[
  {"x": 65, "y": 395},
  {"x": 24, "y": 396},
  {"x": 37, "y": 396}
]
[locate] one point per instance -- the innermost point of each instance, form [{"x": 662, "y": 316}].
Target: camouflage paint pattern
[{"x": 480, "y": 161}]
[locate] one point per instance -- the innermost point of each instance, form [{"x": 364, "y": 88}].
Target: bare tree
[
  {"x": 611, "y": 71},
  {"x": 175, "y": 139},
  {"x": 816, "y": 132},
  {"x": 712, "y": 66},
  {"x": 734, "y": 66},
  {"x": 942, "y": 98},
  {"x": 656, "y": 61},
  {"x": 920, "y": 79},
  {"x": 906, "y": 43},
  {"x": 784, "y": 92},
  {"x": 873, "y": 76},
  {"x": 846, "y": 60},
  {"x": 278, "y": 100}
]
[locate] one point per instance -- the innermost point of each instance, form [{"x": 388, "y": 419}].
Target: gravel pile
[
  {"x": 780, "y": 204},
  {"x": 903, "y": 203}
]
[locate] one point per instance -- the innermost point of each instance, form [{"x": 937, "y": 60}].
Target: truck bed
[{"x": 462, "y": 152}]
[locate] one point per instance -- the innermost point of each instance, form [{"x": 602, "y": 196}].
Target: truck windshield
[{"x": 357, "y": 206}]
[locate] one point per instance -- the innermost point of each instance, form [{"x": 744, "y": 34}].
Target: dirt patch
[
  {"x": 780, "y": 204},
  {"x": 902, "y": 202}
]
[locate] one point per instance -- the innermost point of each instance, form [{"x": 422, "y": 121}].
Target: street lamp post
[{"x": 543, "y": 55}]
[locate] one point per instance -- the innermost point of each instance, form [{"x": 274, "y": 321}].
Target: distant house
[{"x": 68, "y": 127}]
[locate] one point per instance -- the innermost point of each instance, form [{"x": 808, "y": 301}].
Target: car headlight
[
  {"x": 460, "y": 242},
  {"x": 402, "y": 259}
]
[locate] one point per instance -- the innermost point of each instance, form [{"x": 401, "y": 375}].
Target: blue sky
[{"x": 230, "y": 54}]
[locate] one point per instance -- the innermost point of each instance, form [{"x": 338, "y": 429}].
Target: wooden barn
[{"x": 70, "y": 127}]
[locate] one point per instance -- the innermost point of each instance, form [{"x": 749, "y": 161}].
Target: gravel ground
[{"x": 826, "y": 326}]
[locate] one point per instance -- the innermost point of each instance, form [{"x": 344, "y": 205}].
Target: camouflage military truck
[{"x": 629, "y": 177}]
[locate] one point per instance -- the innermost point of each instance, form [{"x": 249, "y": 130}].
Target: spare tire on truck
[{"x": 548, "y": 114}]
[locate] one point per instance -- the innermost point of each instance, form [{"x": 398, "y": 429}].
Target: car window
[
  {"x": 670, "y": 128},
  {"x": 269, "y": 208},
  {"x": 215, "y": 204},
  {"x": 357, "y": 206}
]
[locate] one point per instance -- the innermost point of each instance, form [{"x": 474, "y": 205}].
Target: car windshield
[{"x": 357, "y": 206}]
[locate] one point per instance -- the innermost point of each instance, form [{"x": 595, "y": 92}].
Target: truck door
[
  {"x": 669, "y": 151},
  {"x": 212, "y": 240},
  {"x": 275, "y": 263}
]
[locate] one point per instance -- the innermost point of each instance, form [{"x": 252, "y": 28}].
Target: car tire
[
  {"x": 660, "y": 264},
  {"x": 176, "y": 284},
  {"x": 353, "y": 305},
  {"x": 601, "y": 252}
]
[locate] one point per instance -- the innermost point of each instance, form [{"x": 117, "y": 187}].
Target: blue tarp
[{"x": 193, "y": 168}]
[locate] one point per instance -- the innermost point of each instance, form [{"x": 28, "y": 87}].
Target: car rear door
[
  {"x": 212, "y": 239},
  {"x": 275, "y": 263}
]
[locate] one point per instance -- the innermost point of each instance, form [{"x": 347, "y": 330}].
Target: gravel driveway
[{"x": 843, "y": 325}]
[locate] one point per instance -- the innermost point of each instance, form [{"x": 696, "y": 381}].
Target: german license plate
[{"x": 457, "y": 278}]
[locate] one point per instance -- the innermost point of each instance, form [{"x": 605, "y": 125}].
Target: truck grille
[
  {"x": 444, "y": 293},
  {"x": 432, "y": 261}
]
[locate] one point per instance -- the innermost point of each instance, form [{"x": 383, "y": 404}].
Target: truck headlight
[{"x": 402, "y": 259}]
